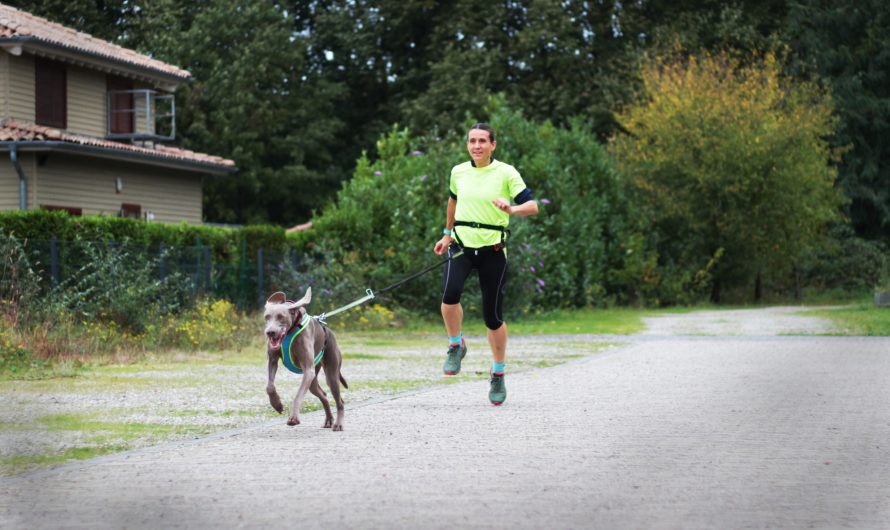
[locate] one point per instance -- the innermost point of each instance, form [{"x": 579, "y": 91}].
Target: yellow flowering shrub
[
  {"x": 210, "y": 324},
  {"x": 728, "y": 160},
  {"x": 370, "y": 317}
]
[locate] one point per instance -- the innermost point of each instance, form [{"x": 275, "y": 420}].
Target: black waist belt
[{"x": 472, "y": 224}]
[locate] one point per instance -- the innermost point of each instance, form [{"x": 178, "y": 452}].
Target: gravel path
[
  {"x": 665, "y": 432},
  {"x": 741, "y": 322},
  {"x": 114, "y": 408}
]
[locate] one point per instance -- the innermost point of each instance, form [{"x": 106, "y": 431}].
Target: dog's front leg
[
  {"x": 308, "y": 377},
  {"x": 274, "y": 398}
]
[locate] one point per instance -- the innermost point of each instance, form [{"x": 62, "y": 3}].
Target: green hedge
[{"x": 225, "y": 243}]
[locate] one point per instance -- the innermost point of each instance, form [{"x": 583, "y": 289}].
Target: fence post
[
  {"x": 207, "y": 264},
  {"x": 198, "y": 264},
  {"x": 161, "y": 268},
  {"x": 243, "y": 291},
  {"x": 54, "y": 261},
  {"x": 259, "y": 276}
]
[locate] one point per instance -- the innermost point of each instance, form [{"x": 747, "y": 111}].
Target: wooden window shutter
[
  {"x": 122, "y": 105},
  {"x": 70, "y": 209},
  {"x": 51, "y": 93},
  {"x": 133, "y": 211}
]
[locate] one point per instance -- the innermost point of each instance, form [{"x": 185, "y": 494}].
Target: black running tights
[{"x": 492, "y": 268}]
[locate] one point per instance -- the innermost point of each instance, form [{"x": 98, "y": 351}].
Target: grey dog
[{"x": 284, "y": 317}]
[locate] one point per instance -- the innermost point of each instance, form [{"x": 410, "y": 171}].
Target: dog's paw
[
  {"x": 275, "y": 401},
  {"x": 293, "y": 420},
  {"x": 338, "y": 427}
]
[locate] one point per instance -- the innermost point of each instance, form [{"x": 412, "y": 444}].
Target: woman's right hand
[{"x": 442, "y": 245}]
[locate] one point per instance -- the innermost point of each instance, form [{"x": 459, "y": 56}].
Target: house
[{"x": 83, "y": 124}]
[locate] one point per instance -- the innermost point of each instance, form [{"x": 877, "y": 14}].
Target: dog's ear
[
  {"x": 305, "y": 300},
  {"x": 277, "y": 298}
]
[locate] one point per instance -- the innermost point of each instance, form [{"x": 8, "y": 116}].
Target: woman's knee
[
  {"x": 451, "y": 297},
  {"x": 492, "y": 321}
]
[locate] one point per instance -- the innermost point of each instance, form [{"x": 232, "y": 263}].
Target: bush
[
  {"x": 114, "y": 286},
  {"x": 390, "y": 214},
  {"x": 14, "y": 357},
  {"x": 19, "y": 284},
  {"x": 36, "y": 349},
  {"x": 846, "y": 262},
  {"x": 209, "y": 325}
]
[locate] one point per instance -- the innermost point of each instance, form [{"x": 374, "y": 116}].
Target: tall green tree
[
  {"x": 253, "y": 100},
  {"x": 714, "y": 24},
  {"x": 848, "y": 44},
  {"x": 729, "y": 161},
  {"x": 554, "y": 60},
  {"x": 375, "y": 52}
]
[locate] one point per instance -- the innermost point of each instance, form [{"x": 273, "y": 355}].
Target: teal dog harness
[{"x": 287, "y": 355}]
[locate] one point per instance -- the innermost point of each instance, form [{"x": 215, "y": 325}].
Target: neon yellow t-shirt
[{"x": 475, "y": 188}]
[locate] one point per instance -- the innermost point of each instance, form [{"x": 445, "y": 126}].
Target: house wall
[
  {"x": 21, "y": 87},
  {"x": 9, "y": 184},
  {"x": 89, "y": 183},
  {"x": 86, "y": 90},
  {"x": 9, "y": 180},
  {"x": 4, "y": 84}
]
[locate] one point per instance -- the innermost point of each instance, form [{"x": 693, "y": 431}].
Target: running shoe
[
  {"x": 497, "y": 394},
  {"x": 456, "y": 353}
]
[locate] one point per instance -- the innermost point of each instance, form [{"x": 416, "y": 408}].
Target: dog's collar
[{"x": 287, "y": 356}]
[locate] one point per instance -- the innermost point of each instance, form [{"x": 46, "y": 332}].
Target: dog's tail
[{"x": 343, "y": 380}]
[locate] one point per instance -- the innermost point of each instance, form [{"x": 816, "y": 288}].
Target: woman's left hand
[{"x": 502, "y": 205}]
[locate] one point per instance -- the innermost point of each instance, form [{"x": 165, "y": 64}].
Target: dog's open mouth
[{"x": 275, "y": 340}]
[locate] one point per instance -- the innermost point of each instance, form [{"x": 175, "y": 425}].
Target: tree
[
  {"x": 729, "y": 159},
  {"x": 253, "y": 99},
  {"x": 555, "y": 61},
  {"x": 714, "y": 25},
  {"x": 848, "y": 44}
]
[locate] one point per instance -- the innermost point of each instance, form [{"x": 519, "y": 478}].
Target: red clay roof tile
[
  {"x": 12, "y": 130},
  {"x": 21, "y": 24}
]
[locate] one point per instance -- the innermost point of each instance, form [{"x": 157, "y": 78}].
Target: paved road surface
[{"x": 665, "y": 432}]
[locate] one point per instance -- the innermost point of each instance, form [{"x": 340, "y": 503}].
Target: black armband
[{"x": 524, "y": 196}]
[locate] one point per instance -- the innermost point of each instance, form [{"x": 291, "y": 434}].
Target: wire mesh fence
[{"x": 244, "y": 279}]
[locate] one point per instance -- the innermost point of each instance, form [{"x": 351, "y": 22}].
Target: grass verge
[
  {"x": 857, "y": 320},
  {"x": 108, "y": 408},
  {"x": 612, "y": 321}
]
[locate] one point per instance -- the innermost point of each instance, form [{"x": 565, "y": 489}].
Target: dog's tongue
[{"x": 275, "y": 342}]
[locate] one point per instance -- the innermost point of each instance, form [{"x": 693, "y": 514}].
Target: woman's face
[{"x": 480, "y": 147}]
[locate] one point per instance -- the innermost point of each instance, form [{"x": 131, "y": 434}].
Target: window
[
  {"x": 120, "y": 120},
  {"x": 51, "y": 103},
  {"x": 134, "y": 211}
]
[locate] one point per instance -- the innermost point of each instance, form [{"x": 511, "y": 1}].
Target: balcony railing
[{"x": 141, "y": 114}]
